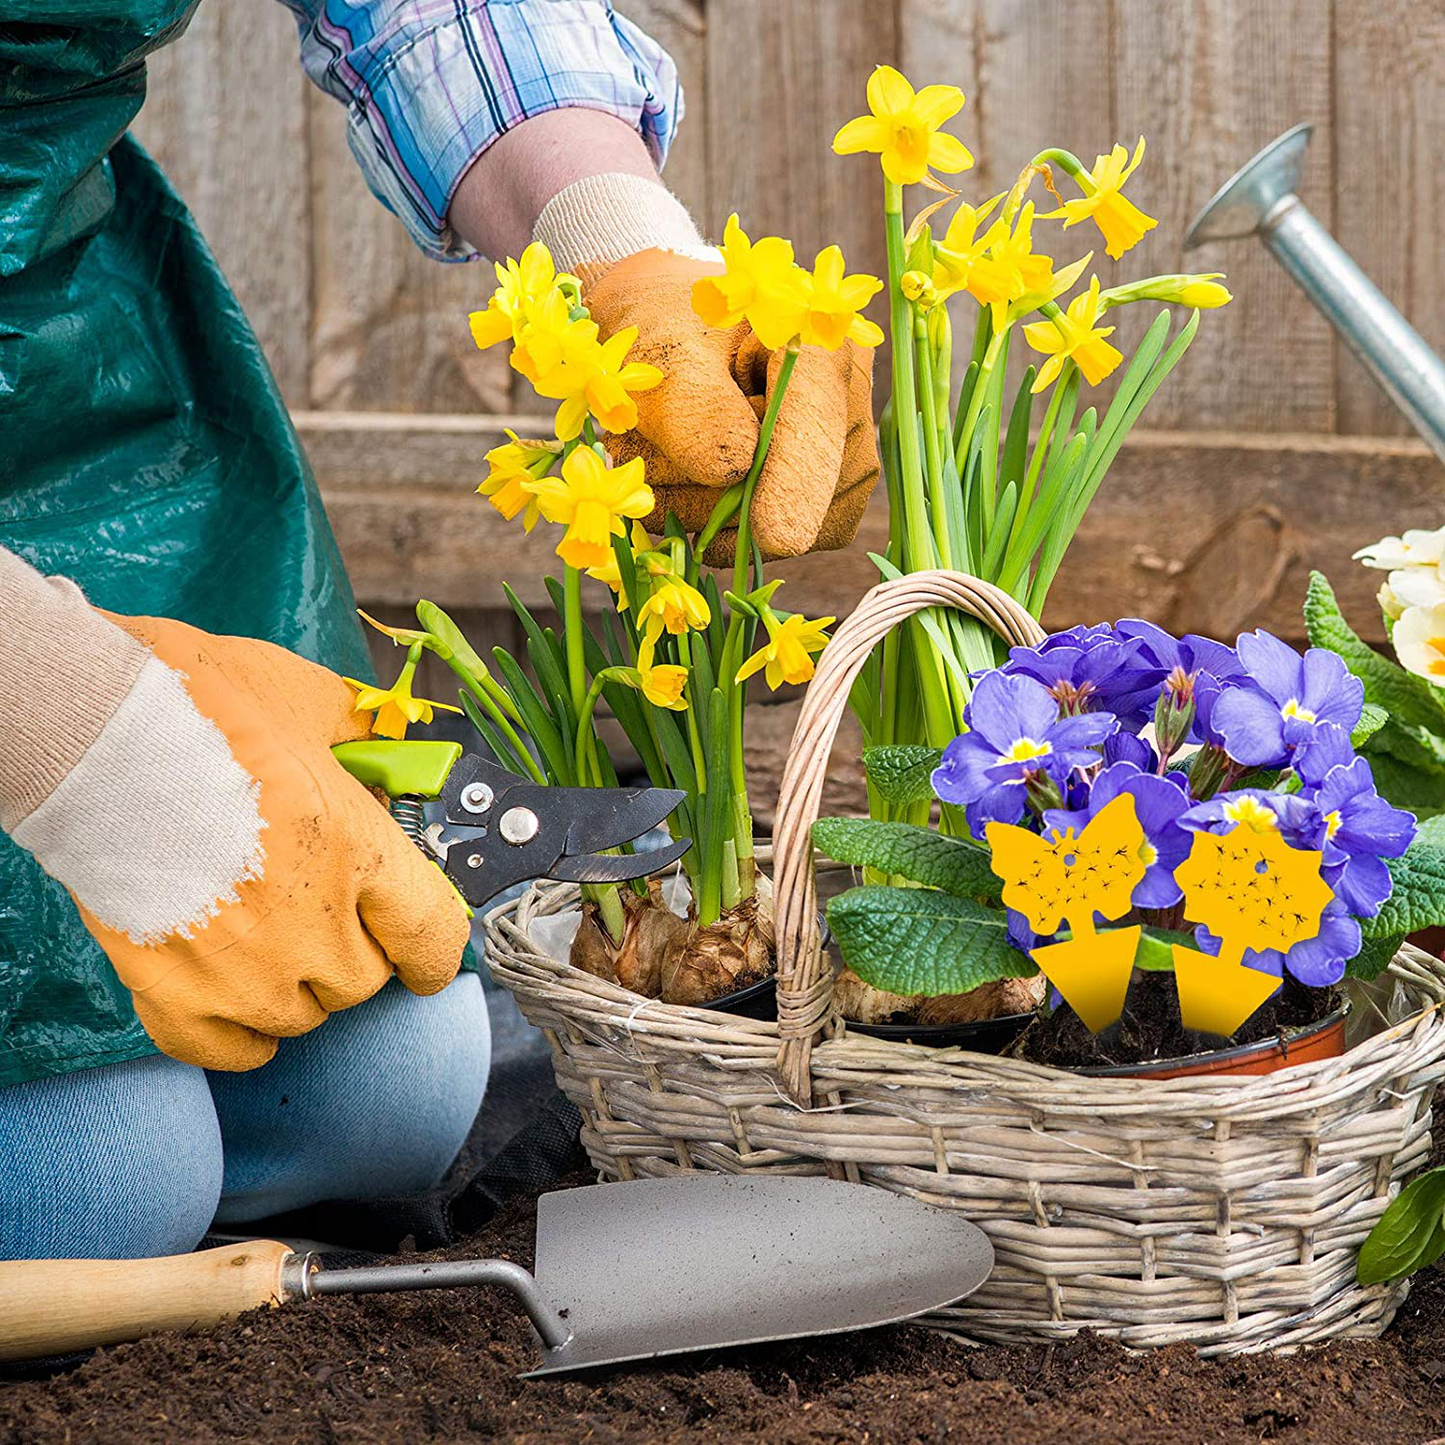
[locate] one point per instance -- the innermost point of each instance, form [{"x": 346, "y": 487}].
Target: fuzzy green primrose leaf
[
  {"x": 1372, "y": 719},
  {"x": 905, "y": 851},
  {"x": 914, "y": 940},
  {"x": 1417, "y": 899},
  {"x": 902, "y": 773},
  {"x": 1410, "y": 1233}
]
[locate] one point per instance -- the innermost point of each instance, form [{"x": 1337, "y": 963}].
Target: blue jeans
[{"x": 137, "y": 1159}]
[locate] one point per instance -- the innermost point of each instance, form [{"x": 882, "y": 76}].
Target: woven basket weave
[{"x": 1225, "y": 1212}]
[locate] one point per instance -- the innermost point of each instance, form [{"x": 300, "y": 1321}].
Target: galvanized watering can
[{"x": 1260, "y": 200}]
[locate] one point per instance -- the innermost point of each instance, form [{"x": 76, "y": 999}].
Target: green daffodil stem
[
  {"x": 488, "y": 704},
  {"x": 1066, "y": 161},
  {"x": 572, "y": 628},
  {"x": 920, "y": 550},
  {"x": 723, "y": 512},
  {"x": 938, "y": 500},
  {"x": 760, "y": 454},
  {"x": 975, "y": 402},
  {"x": 588, "y": 773}
]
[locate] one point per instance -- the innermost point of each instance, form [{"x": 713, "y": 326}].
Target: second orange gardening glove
[
  {"x": 638, "y": 254},
  {"x": 243, "y": 885}
]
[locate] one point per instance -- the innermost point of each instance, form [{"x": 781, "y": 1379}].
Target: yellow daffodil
[
  {"x": 788, "y": 653},
  {"x": 1074, "y": 336},
  {"x": 1120, "y": 221},
  {"x": 1012, "y": 269},
  {"x": 963, "y": 248},
  {"x": 1204, "y": 295},
  {"x": 760, "y": 284},
  {"x": 662, "y": 684},
  {"x": 903, "y": 128},
  {"x": 549, "y": 341},
  {"x": 591, "y": 500},
  {"x": 676, "y": 606},
  {"x": 510, "y": 467},
  {"x": 395, "y": 706},
  {"x": 600, "y": 381},
  {"x": 833, "y": 302},
  {"x": 1201, "y": 291},
  {"x": 610, "y": 573},
  {"x": 529, "y": 279}
]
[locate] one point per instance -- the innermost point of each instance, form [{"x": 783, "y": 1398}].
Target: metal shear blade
[{"x": 532, "y": 831}]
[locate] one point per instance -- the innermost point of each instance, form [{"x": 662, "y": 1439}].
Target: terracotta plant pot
[{"x": 1322, "y": 1040}]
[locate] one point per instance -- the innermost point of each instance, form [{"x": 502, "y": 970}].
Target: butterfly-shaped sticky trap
[
  {"x": 1068, "y": 878},
  {"x": 1251, "y": 890}
]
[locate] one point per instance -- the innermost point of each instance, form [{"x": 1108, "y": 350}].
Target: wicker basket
[{"x": 1225, "y": 1212}]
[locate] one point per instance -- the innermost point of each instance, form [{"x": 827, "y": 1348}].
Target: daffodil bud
[
  {"x": 1202, "y": 292},
  {"x": 918, "y": 287}
]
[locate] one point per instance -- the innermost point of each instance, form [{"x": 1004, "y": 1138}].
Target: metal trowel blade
[{"x": 666, "y": 1266}]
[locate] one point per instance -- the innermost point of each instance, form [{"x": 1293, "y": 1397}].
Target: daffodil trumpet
[{"x": 975, "y": 479}]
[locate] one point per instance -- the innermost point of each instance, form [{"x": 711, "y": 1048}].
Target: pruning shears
[{"x": 513, "y": 829}]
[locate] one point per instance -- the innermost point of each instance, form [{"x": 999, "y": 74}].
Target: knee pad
[
  {"x": 375, "y": 1103},
  {"x": 121, "y": 1162}
]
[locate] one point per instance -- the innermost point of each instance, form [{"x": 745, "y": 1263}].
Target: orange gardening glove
[
  {"x": 243, "y": 885},
  {"x": 638, "y": 253},
  {"x": 697, "y": 430}
]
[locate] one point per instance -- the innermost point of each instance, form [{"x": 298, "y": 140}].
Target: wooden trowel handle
[{"x": 56, "y": 1306}]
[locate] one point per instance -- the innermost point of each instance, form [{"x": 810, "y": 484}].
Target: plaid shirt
[{"x": 428, "y": 85}]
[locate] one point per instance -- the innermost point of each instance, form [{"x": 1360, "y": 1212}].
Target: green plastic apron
[{"x": 144, "y": 449}]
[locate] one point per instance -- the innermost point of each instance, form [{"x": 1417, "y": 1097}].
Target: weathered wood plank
[
  {"x": 1389, "y": 187},
  {"x": 781, "y": 79},
  {"x": 1201, "y": 532},
  {"x": 388, "y": 324},
  {"x": 1207, "y": 87},
  {"x": 680, "y": 27},
  {"x": 226, "y": 117}
]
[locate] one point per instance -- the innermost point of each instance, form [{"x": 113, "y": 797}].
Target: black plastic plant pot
[
  {"x": 982, "y": 1036},
  {"x": 757, "y": 1001}
]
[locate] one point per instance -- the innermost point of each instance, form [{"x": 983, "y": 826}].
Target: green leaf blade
[
  {"x": 902, "y": 772},
  {"x": 1410, "y": 1233},
  {"x": 917, "y": 941},
  {"x": 907, "y": 851}
]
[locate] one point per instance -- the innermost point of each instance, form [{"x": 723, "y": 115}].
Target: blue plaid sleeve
[{"x": 428, "y": 85}]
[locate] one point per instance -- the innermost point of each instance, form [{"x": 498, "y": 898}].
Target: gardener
[{"x": 187, "y": 869}]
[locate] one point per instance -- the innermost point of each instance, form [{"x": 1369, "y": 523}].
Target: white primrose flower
[
  {"x": 1416, "y": 587},
  {"x": 1419, "y": 639},
  {"x": 1390, "y": 604},
  {"x": 1416, "y": 548}
]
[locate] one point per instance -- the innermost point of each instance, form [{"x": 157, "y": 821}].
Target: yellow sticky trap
[
  {"x": 1251, "y": 890},
  {"x": 1069, "y": 878}
]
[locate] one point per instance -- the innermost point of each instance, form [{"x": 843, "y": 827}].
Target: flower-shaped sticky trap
[
  {"x": 1068, "y": 878},
  {"x": 1252, "y": 890}
]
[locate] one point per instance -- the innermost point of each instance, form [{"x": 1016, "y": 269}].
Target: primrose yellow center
[
  {"x": 1026, "y": 750},
  {"x": 1293, "y": 708},
  {"x": 1148, "y": 855},
  {"x": 1251, "y": 813},
  {"x": 1332, "y": 823},
  {"x": 1436, "y": 663}
]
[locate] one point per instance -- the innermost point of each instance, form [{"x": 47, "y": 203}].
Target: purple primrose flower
[
  {"x": 1082, "y": 666},
  {"x": 1286, "y": 699},
  {"x": 1015, "y": 731},
  {"x": 1209, "y": 666},
  {"x": 1159, "y": 803},
  {"x": 1318, "y": 962}
]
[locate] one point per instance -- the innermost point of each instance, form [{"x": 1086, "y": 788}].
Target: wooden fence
[{"x": 1269, "y": 450}]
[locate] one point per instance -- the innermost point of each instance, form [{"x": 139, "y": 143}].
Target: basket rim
[{"x": 1420, "y": 972}]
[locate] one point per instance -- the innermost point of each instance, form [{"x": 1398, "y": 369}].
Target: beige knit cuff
[
  {"x": 64, "y": 669},
  {"x": 595, "y": 222}
]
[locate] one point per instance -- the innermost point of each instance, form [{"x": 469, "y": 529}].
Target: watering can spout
[{"x": 1260, "y": 199}]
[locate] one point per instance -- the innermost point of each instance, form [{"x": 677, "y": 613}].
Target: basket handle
[{"x": 805, "y": 982}]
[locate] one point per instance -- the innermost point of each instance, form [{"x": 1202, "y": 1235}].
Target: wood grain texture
[
  {"x": 225, "y": 115},
  {"x": 781, "y": 79},
  {"x": 1199, "y": 531},
  {"x": 388, "y": 324},
  {"x": 1207, "y": 88},
  {"x": 1390, "y": 186},
  {"x": 681, "y": 28}
]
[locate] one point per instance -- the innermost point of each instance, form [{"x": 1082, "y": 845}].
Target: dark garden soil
[
  {"x": 442, "y": 1367},
  {"x": 1150, "y": 1028}
]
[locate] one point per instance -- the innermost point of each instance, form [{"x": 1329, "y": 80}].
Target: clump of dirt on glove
[
  {"x": 679, "y": 960},
  {"x": 443, "y": 1366}
]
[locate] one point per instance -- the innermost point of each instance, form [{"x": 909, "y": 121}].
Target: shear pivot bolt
[
  {"x": 476, "y": 797},
  {"x": 519, "y": 825},
  {"x": 474, "y": 860}
]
